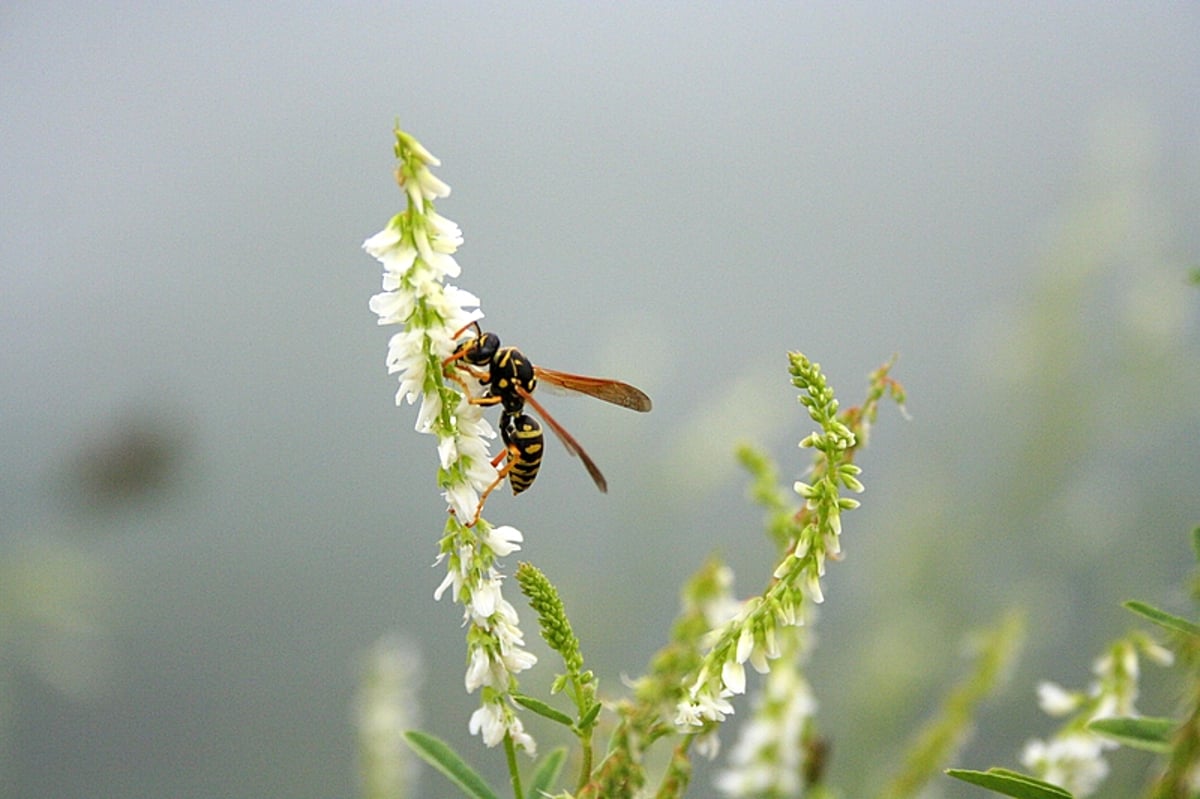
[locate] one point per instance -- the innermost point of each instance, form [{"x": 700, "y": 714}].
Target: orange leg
[
  {"x": 509, "y": 452},
  {"x": 481, "y": 376}
]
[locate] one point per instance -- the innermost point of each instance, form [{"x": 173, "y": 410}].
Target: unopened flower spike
[{"x": 417, "y": 250}]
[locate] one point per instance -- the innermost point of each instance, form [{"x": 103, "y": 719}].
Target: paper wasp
[{"x": 510, "y": 380}]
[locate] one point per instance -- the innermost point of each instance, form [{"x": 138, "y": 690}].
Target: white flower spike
[{"x": 417, "y": 250}]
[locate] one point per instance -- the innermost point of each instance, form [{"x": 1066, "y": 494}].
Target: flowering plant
[
  {"x": 417, "y": 249},
  {"x": 693, "y": 684}
]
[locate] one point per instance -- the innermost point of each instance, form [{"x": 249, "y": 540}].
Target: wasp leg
[
  {"x": 481, "y": 376},
  {"x": 457, "y": 360},
  {"x": 510, "y": 452},
  {"x": 487, "y": 400}
]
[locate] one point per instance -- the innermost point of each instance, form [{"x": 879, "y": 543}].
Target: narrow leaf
[
  {"x": 589, "y": 718},
  {"x": 546, "y": 773},
  {"x": 1163, "y": 619},
  {"x": 1010, "y": 783},
  {"x": 1150, "y": 734},
  {"x": 542, "y": 709},
  {"x": 438, "y": 754}
]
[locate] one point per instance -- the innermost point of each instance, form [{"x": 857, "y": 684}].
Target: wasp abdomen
[{"x": 522, "y": 435}]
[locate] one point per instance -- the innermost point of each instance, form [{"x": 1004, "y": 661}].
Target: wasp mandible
[{"x": 510, "y": 380}]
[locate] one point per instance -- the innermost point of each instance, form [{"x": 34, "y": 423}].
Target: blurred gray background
[{"x": 210, "y": 507}]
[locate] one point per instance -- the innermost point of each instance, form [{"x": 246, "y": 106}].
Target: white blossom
[
  {"x": 502, "y": 540},
  {"x": 493, "y": 720},
  {"x": 416, "y": 249},
  {"x": 1054, "y": 700},
  {"x": 687, "y": 714},
  {"x": 479, "y": 670},
  {"x": 1074, "y": 762},
  {"x": 488, "y": 721},
  {"x": 733, "y": 675},
  {"x": 767, "y": 758},
  {"x": 1074, "y": 758}
]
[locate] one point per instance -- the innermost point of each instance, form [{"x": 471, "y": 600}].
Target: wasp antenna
[{"x": 463, "y": 329}]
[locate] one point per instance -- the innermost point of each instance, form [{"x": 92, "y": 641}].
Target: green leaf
[
  {"x": 589, "y": 718},
  {"x": 543, "y": 710},
  {"x": 1010, "y": 783},
  {"x": 1163, "y": 619},
  {"x": 546, "y": 773},
  {"x": 438, "y": 754},
  {"x": 1150, "y": 734}
]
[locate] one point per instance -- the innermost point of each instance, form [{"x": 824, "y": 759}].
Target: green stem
[
  {"x": 585, "y": 767},
  {"x": 514, "y": 772}
]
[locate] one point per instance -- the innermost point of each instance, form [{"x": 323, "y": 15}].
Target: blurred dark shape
[
  {"x": 135, "y": 456},
  {"x": 816, "y": 758}
]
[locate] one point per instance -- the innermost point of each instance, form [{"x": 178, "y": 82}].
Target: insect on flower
[{"x": 510, "y": 380}]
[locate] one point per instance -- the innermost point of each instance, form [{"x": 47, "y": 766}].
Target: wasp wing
[
  {"x": 568, "y": 441},
  {"x": 601, "y": 388}
]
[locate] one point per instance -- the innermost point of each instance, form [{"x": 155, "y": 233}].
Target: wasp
[{"x": 509, "y": 381}]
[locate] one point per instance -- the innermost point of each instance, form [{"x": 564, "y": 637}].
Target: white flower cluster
[
  {"x": 1074, "y": 758},
  {"x": 495, "y": 643},
  {"x": 750, "y": 636},
  {"x": 768, "y": 758},
  {"x": 753, "y": 633},
  {"x": 417, "y": 252},
  {"x": 1073, "y": 761}
]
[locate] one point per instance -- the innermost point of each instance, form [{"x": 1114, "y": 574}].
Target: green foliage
[
  {"x": 1010, "y": 783},
  {"x": 545, "y": 775},
  {"x": 1167, "y": 621},
  {"x": 438, "y": 754},
  {"x": 1150, "y": 734}
]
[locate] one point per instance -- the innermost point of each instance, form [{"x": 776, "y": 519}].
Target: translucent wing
[
  {"x": 601, "y": 388},
  {"x": 568, "y": 441}
]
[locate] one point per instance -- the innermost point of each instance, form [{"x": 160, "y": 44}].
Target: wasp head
[{"x": 478, "y": 350}]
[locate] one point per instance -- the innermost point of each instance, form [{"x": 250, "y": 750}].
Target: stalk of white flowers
[
  {"x": 417, "y": 252},
  {"x": 386, "y": 707},
  {"x": 751, "y": 636},
  {"x": 1074, "y": 757}
]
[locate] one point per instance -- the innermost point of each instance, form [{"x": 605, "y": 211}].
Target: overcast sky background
[{"x": 674, "y": 194}]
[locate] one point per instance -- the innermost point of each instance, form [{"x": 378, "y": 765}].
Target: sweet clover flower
[
  {"x": 1074, "y": 761},
  {"x": 417, "y": 250},
  {"x": 1074, "y": 758}
]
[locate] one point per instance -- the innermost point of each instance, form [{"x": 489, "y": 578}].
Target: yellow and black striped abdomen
[{"x": 522, "y": 435}]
